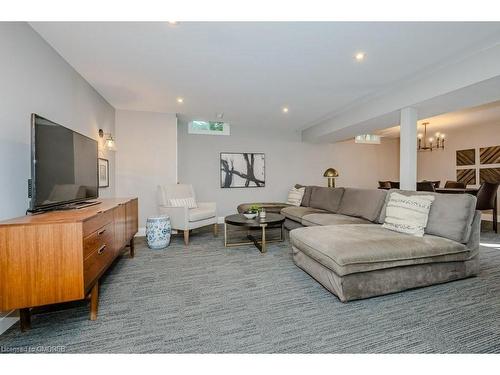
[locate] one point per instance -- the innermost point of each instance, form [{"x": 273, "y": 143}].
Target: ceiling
[
  {"x": 250, "y": 71},
  {"x": 484, "y": 114}
]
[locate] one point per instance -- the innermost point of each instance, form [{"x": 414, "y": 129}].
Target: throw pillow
[
  {"x": 183, "y": 202},
  {"x": 408, "y": 214},
  {"x": 295, "y": 196}
]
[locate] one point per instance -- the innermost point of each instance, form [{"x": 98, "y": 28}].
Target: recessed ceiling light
[
  {"x": 360, "y": 56},
  {"x": 173, "y": 23},
  {"x": 285, "y": 109},
  {"x": 180, "y": 100}
]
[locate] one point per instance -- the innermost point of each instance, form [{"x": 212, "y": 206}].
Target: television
[{"x": 63, "y": 166}]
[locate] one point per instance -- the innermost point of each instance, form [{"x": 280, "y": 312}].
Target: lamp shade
[{"x": 330, "y": 172}]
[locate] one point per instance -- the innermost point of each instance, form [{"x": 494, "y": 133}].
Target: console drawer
[
  {"x": 102, "y": 236},
  {"x": 97, "y": 263},
  {"x": 94, "y": 223}
]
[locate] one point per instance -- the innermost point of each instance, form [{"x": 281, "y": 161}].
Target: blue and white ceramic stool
[{"x": 158, "y": 231}]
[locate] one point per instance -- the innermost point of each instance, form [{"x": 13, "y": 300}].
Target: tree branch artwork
[{"x": 242, "y": 170}]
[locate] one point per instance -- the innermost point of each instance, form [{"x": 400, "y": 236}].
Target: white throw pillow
[
  {"x": 183, "y": 202},
  {"x": 295, "y": 196},
  {"x": 408, "y": 214}
]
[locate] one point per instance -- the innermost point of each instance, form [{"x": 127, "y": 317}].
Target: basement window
[
  {"x": 367, "y": 138},
  {"x": 209, "y": 128}
]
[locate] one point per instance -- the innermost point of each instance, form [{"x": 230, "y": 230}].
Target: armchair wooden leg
[
  {"x": 186, "y": 237},
  {"x": 216, "y": 230}
]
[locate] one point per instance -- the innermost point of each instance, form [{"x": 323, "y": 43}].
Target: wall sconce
[
  {"x": 109, "y": 142},
  {"x": 331, "y": 173}
]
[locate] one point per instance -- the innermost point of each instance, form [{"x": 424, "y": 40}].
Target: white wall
[
  {"x": 364, "y": 165},
  {"x": 288, "y": 161},
  {"x": 34, "y": 78},
  {"x": 441, "y": 165},
  {"x": 146, "y": 156}
]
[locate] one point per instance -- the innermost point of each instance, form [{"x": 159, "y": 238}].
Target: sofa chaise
[{"x": 337, "y": 238}]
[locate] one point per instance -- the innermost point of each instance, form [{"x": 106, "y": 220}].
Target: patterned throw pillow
[
  {"x": 295, "y": 196},
  {"x": 183, "y": 202},
  {"x": 408, "y": 214}
]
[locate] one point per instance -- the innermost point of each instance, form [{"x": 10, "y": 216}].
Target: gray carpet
[{"x": 205, "y": 298}]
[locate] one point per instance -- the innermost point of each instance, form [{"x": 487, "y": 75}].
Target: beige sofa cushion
[
  {"x": 326, "y": 198},
  {"x": 296, "y": 213},
  {"x": 347, "y": 249},
  {"x": 307, "y": 194},
  {"x": 407, "y": 213},
  {"x": 450, "y": 215},
  {"x": 295, "y": 196},
  {"x": 365, "y": 203},
  {"x": 331, "y": 219}
]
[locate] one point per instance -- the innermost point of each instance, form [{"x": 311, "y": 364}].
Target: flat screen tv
[{"x": 63, "y": 166}]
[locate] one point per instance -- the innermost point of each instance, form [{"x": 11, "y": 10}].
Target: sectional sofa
[{"x": 337, "y": 238}]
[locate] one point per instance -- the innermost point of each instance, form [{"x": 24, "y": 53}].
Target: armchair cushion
[
  {"x": 178, "y": 216},
  {"x": 202, "y": 212}
]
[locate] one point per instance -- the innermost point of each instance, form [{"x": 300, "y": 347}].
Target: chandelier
[{"x": 436, "y": 143}]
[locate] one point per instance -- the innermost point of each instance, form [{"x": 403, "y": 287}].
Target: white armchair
[{"x": 183, "y": 218}]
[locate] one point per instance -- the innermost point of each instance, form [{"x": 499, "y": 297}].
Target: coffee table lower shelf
[{"x": 252, "y": 225}]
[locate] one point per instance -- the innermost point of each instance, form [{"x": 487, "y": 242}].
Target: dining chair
[
  {"x": 425, "y": 186},
  {"x": 454, "y": 185},
  {"x": 384, "y": 184},
  {"x": 487, "y": 200},
  {"x": 394, "y": 184},
  {"x": 434, "y": 183}
]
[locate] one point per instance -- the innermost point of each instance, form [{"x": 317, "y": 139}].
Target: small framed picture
[{"x": 103, "y": 171}]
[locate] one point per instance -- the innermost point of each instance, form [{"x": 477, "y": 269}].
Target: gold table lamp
[{"x": 331, "y": 173}]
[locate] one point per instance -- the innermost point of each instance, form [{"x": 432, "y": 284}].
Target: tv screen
[{"x": 63, "y": 165}]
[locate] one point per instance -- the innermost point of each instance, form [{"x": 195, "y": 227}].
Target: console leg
[
  {"x": 495, "y": 216},
  {"x": 132, "y": 247},
  {"x": 25, "y": 318},
  {"x": 94, "y": 301}
]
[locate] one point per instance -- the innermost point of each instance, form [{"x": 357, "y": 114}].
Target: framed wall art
[
  {"x": 103, "y": 172},
  {"x": 242, "y": 170}
]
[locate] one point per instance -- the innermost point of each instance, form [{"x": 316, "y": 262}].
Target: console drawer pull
[
  {"x": 101, "y": 232},
  {"x": 101, "y": 249}
]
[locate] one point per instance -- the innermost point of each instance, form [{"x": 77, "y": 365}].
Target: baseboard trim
[
  {"x": 8, "y": 320},
  {"x": 142, "y": 230}
]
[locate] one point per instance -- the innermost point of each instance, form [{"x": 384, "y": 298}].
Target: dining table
[{"x": 472, "y": 191}]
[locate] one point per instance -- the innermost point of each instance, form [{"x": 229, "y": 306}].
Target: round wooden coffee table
[{"x": 270, "y": 221}]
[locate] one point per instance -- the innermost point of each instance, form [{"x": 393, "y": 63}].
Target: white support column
[{"x": 408, "y": 149}]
